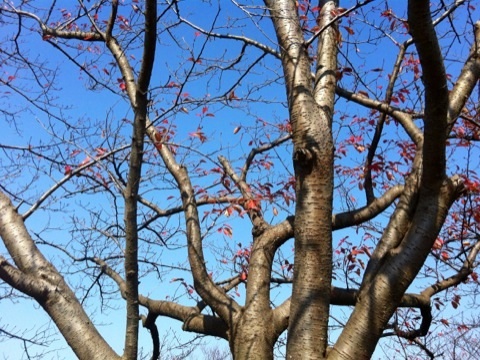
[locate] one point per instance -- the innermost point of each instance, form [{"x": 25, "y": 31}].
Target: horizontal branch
[
  {"x": 459, "y": 277},
  {"x": 368, "y": 212},
  {"x": 403, "y": 118},
  {"x": 191, "y": 317},
  {"x": 243, "y": 39}
]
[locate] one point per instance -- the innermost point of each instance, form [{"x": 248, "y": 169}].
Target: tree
[{"x": 370, "y": 110}]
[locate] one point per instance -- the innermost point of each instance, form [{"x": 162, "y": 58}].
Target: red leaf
[
  {"x": 200, "y": 135},
  {"x": 437, "y": 245},
  {"x": 349, "y": 30},
  {"x": 232, "y": 96},
  {"x": 101, "y": 151},
  {"x": 173, "y": 84},
  {"x": 251, "y": 205},
  {"x": 68, "y": 170},
  {"x": 474, "y": 276},
  {"x": 75, "y": 153},
  {"x": 227, "y": 231},
  {"x": 85, "y": 161},
  {"x": 196, "y": 61}
]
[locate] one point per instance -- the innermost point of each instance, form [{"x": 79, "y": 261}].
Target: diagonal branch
[
  {"x": 403, "y": 118},
  {"x": 368, "y": 212},
  {"x": 191, "y": 316},
  {"x": 466, "y": 82},
  {"x": 226, "y": 307},
  {"x": 250, "y": 204}
]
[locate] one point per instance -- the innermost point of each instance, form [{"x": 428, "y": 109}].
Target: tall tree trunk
[
  {"x": 401, "y": 260},
  {"x": 311, "y": 109},
  {"x": 253, "y": 336}
]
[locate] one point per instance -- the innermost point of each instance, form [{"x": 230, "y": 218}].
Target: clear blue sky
[{"x": 94, "y": 108}]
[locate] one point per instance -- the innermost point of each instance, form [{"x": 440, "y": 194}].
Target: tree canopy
[{"x": 296, "y": 178}]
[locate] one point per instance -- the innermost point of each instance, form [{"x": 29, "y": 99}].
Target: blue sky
[{"x": 95, "y": 109}]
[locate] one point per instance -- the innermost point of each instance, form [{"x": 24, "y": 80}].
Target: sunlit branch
[
  {"x": 159, "y": 213},
  {"x": 21, "y": 338},
  {"x": 87, "y": 13},
  {"x": 21, "y": 280},
  {"x": 51, "y": 32},
  {"x": 459, "y": 277},
  {"x": 243, "y": 39},
  {"x": 446, "y": 15},
  {"x": 250, "y": 204},
  {"x": 403, "y": 118},
  {"x": 465, "y": 83},
  {"x": 369, "y": 211},
  {"x": 204, "y": 285}
]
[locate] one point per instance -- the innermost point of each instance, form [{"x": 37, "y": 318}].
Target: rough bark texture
[
  {"x": 415, "y": 224},
  {"x": 36, "y": 276},
  {"x": 422, "y": 204},
  {"x": 139, "y": 104},
  {"x": 311, "y": 110}
]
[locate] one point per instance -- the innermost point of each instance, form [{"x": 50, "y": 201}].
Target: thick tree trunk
[
  {"x": 253, "y": 337},
  {"x": 399, "y": 261},
  {"x": 311, "y": 111}
]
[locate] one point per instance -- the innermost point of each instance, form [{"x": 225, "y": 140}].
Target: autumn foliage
[{"x": 299, "y": 179}]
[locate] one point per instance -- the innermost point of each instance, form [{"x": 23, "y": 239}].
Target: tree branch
[
  {"x": 226, "y": 307},
  {"x": 40, "y": 279},
  {"x": 368, "y": 212},
  {"x": 436, "y": 92},
  {"x": 403, "y": 118},
  {"x": 250, "y": 204},
  {"x": 466, "y": 82}
]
